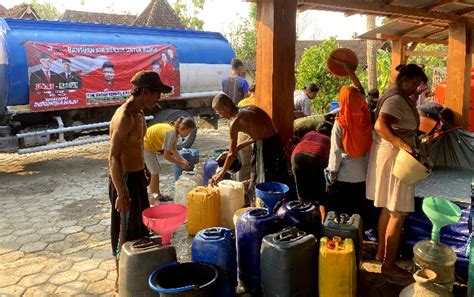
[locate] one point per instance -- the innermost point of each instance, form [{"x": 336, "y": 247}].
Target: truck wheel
[{"x": 170, "y": 115}]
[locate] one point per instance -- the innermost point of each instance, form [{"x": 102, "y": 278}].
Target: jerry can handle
[
  {"x": 147, "y": 242},
  {"x": 341, "y": 218},
  {"x": 217, "y": 232},
  {"x": 290, "y": 234}
]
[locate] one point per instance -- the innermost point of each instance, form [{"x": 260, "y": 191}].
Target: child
[{"x": 162, "y": 139}]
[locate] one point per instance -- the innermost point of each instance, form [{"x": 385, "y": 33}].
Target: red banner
[{"x": 68, "y": 76}]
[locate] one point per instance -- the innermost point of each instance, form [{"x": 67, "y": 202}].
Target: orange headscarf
[{"x": 354, "y": 118}]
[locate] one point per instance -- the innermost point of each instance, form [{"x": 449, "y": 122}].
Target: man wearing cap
[
  {"x": 44, "y": 75},
  {"x": 302, "y": 100},
  {"x": 68, "y": 78},
  {"x": 128, "y": 185},
  {"x": 235, "y": 86}
]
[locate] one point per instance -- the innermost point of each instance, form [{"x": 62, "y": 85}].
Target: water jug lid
[{"x": 434, "y": 251}]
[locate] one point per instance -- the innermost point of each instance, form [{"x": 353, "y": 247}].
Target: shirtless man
[
  {"x": 127, "y": 185},
  {"x": 268, "y": 158}
]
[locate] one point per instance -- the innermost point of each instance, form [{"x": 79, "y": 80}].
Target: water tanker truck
[{"x": 60, "y": 82}]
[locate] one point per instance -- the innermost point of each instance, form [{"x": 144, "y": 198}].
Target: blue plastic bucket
[
  {"x": 184, "y": 279},
  {"x": 271, "y": 193},
  {"x": 333, "y": 105}
]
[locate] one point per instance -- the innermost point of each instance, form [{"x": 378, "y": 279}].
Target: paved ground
[
  {"x": 55, "y": 220},
  {"x": 55, "y": 224}
]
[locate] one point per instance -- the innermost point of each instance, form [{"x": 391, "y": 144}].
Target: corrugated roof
[
  {"x": 445, "y": 11},
  {"x": 22, "y": 11},
  {"x": 158, "y": 13},
  {"x": 428, "y": 31},
  {"x": 96, "y": 17}
]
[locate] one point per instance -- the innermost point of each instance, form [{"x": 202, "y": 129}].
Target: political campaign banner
[{"x": 69, "y": 76}]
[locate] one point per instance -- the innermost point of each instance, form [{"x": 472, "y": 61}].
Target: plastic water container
[
  {"x": 337, "y": 273},
  {"x": 185, "y": 183},
  {"x": 239, "y": 212},
  {"x": 333, "y": 105},
  {"x": 251, "y": 227},
  {"x": 438, "y": 257},
  {"x": 232, "y": 199},
  {"x": 210, "y": 168},
  {"x": 138, "y": 259},
  {"x": 216, "y": 246},
  {"x": 303, "y": 215},
  {"x": 345, "y": 226},
  {"x": 192, "y": 156},
  {"x": 199, "y": 171},
  {"x": 185, "y": 280},
  {"x": 288, "y": 261},
  {"x": 203, "y": 209}
]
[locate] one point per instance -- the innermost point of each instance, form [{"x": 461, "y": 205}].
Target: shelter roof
[
  {"x": 423, "y": 10},
  {"x": 411, "y": 31},
  {"x": 22, "y": 11}
]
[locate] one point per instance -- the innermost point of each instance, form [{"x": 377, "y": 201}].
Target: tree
[
  {"x": 244, "y": 37},
  {"x": 46, "y": 11},
  {"x": 313, "y": 68},
  {"x": 371, "y": 55},
  {"x": 188, "y": 13}
]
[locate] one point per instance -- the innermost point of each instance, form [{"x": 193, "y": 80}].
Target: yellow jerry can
[
  {"x": 337, "y": 268},
  {"x": 203, "y": 209}
]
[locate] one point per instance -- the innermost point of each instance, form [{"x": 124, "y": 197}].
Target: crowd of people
[{"x": 340, "y": 162}]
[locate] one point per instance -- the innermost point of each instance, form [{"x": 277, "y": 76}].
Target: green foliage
[
  {"x": 384, "y": 64},
  {"x": 244, "y": 38},
  {"x": 313, "y": 68},
  {"x": 188, "y": 14},
  {"x": 430, "y": 62},
  {"x": 46, "y": 11}
]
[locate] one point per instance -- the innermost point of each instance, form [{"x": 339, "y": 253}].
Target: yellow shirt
[
  {"x": 155, "y": 137},
  {"x": 247, "y": 101}
]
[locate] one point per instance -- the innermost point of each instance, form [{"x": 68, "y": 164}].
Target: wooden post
[
  {"x": 276, "y": 38},
  {"x": 398, "y": 57},
  {"x": 458, "y": 77}
]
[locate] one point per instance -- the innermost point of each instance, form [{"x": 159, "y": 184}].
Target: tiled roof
[
  {"x": 358, "y": 46},
  {"x": 96, "y": 17},
  {"x": 158, "y": 13},
  {"x": 22, "y": 11},
  {"x": 3, "y": 10}
]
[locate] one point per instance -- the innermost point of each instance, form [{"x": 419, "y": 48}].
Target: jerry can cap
[{"x": 300, "y": 206}]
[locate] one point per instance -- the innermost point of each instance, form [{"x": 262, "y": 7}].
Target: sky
[{"x": 223, "y": 15}]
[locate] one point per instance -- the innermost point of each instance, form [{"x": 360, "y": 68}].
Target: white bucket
[{"x": 408, "y": 169}]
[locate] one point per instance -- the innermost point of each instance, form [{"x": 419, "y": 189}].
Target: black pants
[
  {"x": 347, "y": 198},
  {"x": 136, "y": 184},
  {"x": 308, "y": 170},
  {"x": 274, "y": 163}
]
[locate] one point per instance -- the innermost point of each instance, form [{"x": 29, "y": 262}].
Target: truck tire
[{"x": 170, "y": 115}]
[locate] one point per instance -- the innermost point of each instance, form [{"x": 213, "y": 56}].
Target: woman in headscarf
[
  {"x": 350, "y": 142},
  {"x": 396, "y": 128}
]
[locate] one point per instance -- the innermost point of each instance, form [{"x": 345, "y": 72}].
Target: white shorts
[{"x": 152, "y": 162}]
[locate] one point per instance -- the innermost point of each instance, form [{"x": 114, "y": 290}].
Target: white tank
[
  {"x": 199, "y": 170},
  {"x": 186, "y": 182},
  {"x": 232, "y": 199}
]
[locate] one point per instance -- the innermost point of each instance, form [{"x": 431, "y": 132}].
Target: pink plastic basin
[{"x": 164, "y": 219}]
